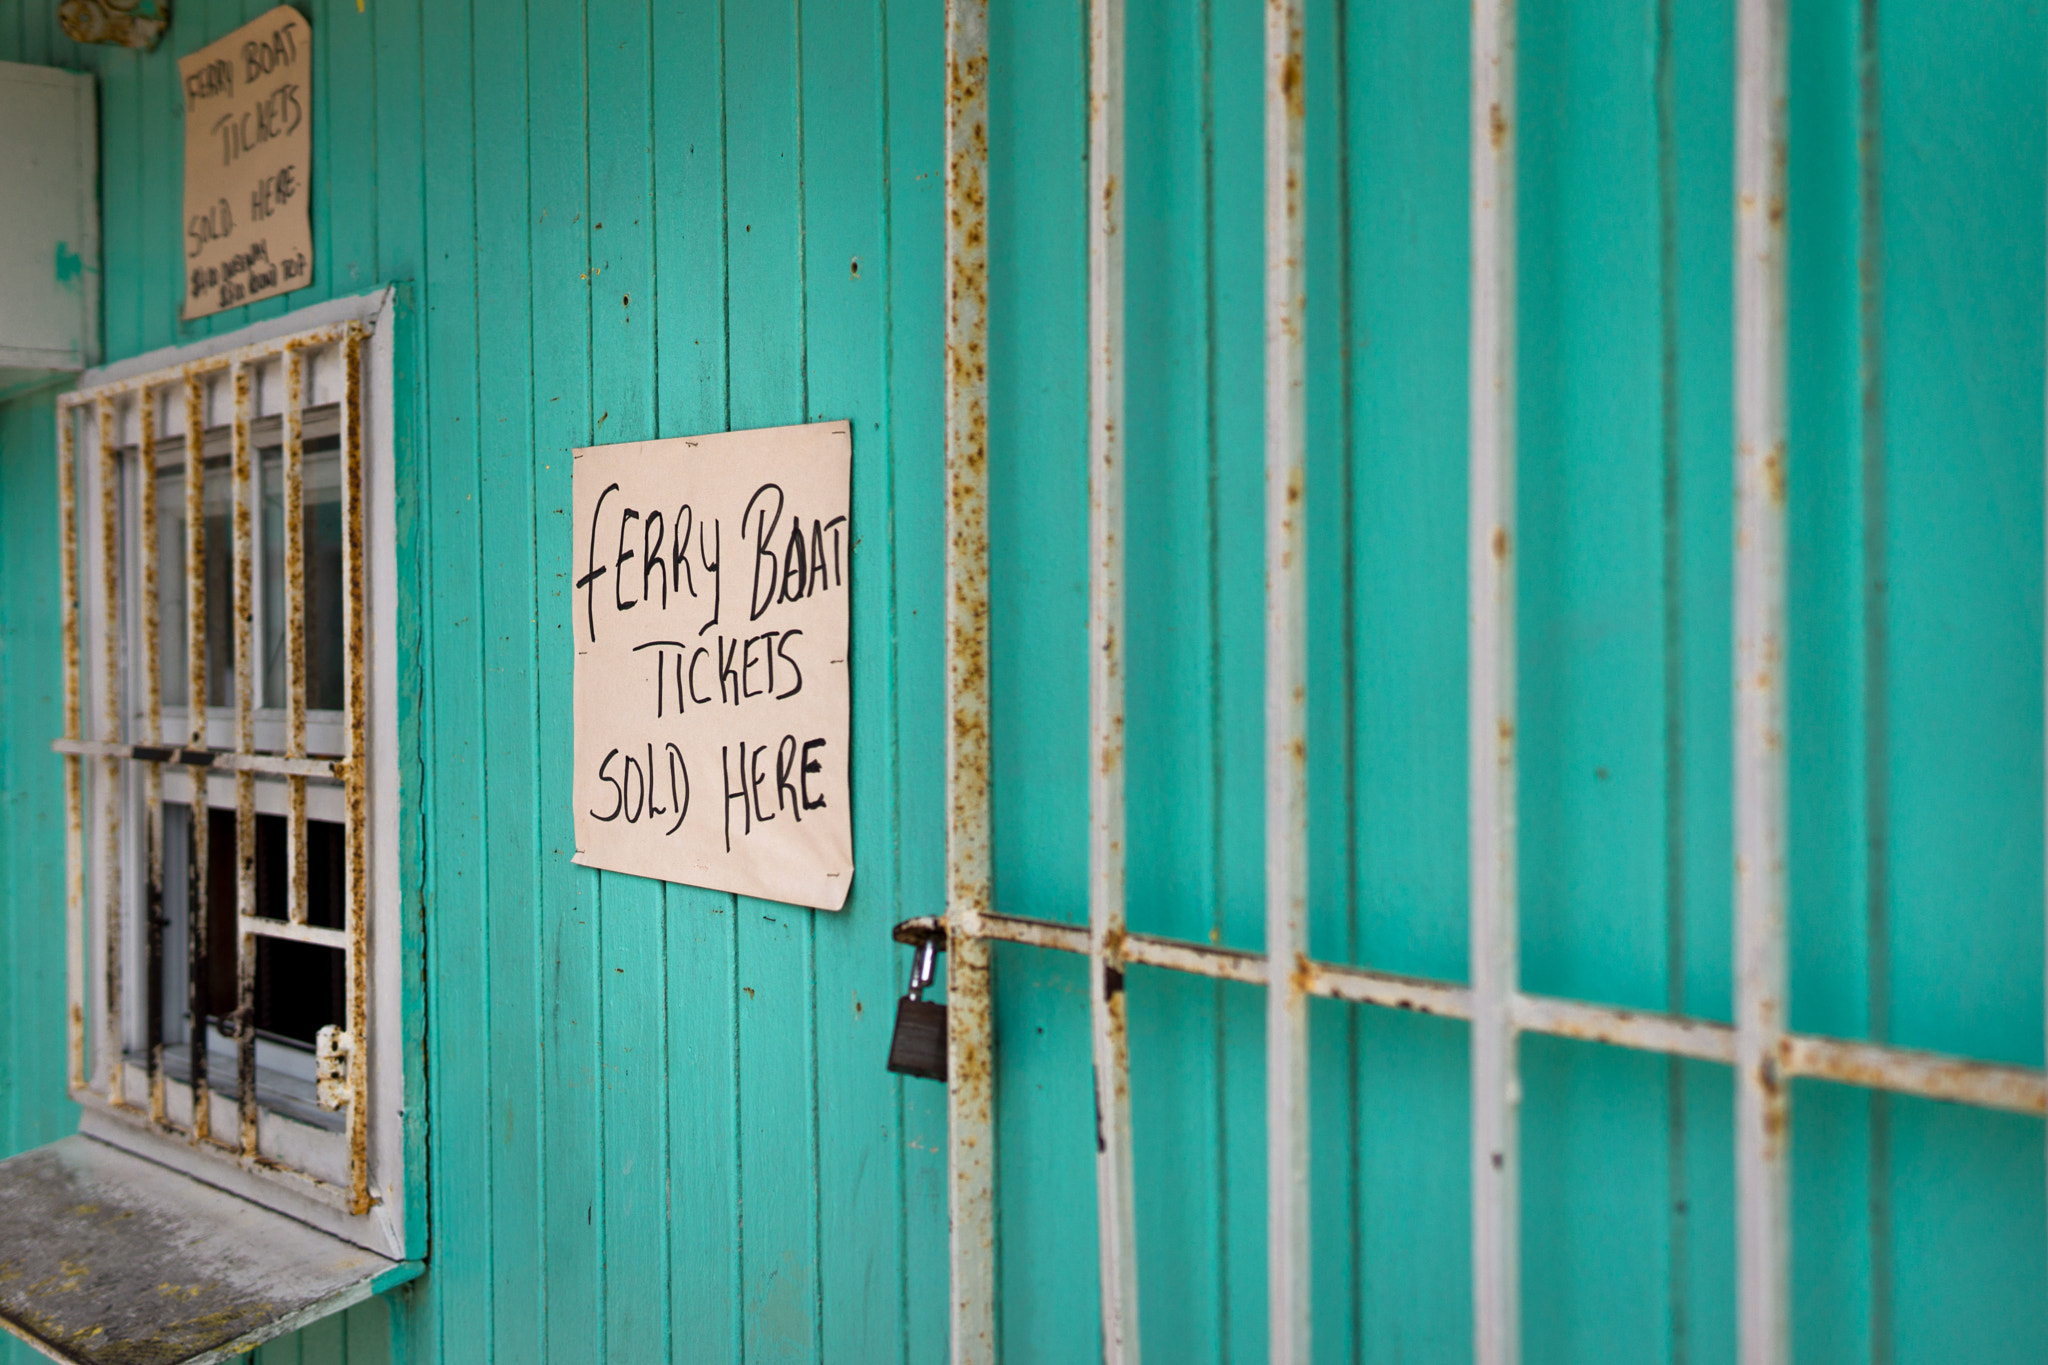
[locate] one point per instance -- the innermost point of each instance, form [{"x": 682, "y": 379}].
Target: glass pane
[
  {"x": 321, "y": 529},
  {"x": 326, "y": 903},
  {"x": 220, "y": 583},
  {"x": 170, "y": 588}
]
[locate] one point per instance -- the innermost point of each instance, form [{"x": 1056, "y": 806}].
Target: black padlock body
[{"x": 918, "y": 1047}]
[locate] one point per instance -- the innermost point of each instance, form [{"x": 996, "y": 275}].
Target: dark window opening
[{"x": 298, "y": 988}]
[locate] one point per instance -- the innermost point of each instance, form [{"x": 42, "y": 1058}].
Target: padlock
[{"x": 918, "y": 1047}]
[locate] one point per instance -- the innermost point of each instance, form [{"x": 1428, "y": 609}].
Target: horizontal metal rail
[
  {"x": 1876, "y": 1066},
  {"x": 221, "y": 760}
]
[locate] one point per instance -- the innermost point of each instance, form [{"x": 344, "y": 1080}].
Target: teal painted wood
[{"x": 659, "y": 1123}]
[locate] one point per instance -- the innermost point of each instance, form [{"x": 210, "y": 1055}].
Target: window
[{"x": 231, "y": 767}]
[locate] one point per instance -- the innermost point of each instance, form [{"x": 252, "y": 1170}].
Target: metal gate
[{"x": 1766, "y": 1056}]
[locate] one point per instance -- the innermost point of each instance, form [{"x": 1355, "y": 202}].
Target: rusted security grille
[
  {"x": 1765, "y": 1055},
  {"x": 111, "y": 441}
]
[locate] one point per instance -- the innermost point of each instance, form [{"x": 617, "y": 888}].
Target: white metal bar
[
  {"x": 356, "y": 711},
  {"x": 1108, "y": 1028},
  {"x": 970, "y": 1088},
  {"x": 245, "y": 740},
  {"x": 111, "y": 729},
  {"x": 1762, "y": 1114},
  {"x": 1491, "y": 712},
  {"x": 74, "y": 776},
  {"x": 258, "y": 927},
  {"x": 198, "y": 885},
  {"x": 1109, "y": 1032},
  {"x": 1287, "y": 1094},
  {"x": 152, "y": 773},
  {"x": 294, "y": 628}
]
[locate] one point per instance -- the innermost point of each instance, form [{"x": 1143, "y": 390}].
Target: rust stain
[
  {"x": 1500, "y": 544},
  {"x": 1496, "y": 125}
]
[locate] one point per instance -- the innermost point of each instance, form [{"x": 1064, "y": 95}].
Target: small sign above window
[
  {"x": 712, "y": 704},
  {"x": 248, "y": 164}
]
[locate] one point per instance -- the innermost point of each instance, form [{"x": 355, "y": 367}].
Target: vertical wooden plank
[
  {"x": 690, "y": 323},
  {"x": 915, "y": 345},
  {"x": 458, "y": 1296},
  {"x": 572, "y": 1180},
  {"x": 777, "y": 1059},
  {"x": 1834, "y": 694},
  {"x": 346, "y": 193},
  {"x": 161, "y": 107},
  {"x": 123, "y": 150},
  {"x": 1236, "y": 469},
  {"x": 632, "y": 919},
  {"x": 1171, "y": 753},
  {"x": 855, "y": 964},
  {"x": 508, "y": 542}
]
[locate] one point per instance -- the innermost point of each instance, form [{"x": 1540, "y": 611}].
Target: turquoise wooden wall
[{"x": 659, "y": 1124}]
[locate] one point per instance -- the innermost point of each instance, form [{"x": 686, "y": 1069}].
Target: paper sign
[
  {"x": 712, "y": 699},
  {"x": 248, "y": 163}
]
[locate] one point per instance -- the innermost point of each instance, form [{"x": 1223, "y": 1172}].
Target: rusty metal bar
[
  {"x": 111, "y": 728},
  {"x": 1287, "y": 1088},
  {"x": 245, "y": 740},
  {"x": 295, "y": 628},
  {"x": 1763, "y": 1228},
  {"x": 1700, "y": 1039},
  {"x": 1491, "y": 710},
  {"x": 219, "y": 760},
  {"x": 356, "y": 909},
  {"x": 1929, "y": 1075},
  {"x": 198, "y": 897},
  {"x": 74, "y": 776},
  {"x": 970, "y": 1089},
  {"x": 1117, "y": 1264},
  {"x": 152, "y": 772},
  {"x": 222, "y": 362}
]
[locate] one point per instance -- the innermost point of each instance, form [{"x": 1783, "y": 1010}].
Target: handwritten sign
[
  {"x": 712, "y": 701},
  {"x": 248, "y": 163}
]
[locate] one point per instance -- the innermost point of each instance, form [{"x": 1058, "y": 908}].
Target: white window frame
[{"x": 126, "y": 757}]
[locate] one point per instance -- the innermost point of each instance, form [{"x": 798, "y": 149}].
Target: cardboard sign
[
  {"x": 248, "y": 164},
  {"x": 713, "y": 711}
]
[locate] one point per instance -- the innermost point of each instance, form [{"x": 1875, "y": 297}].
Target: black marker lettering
[
  {"x": 679, "y": 553},
  {"x": 755, "y": 777},
  {"x": 821, "y": 577},
  {"x": 795, "y": 563},
  {"x": 785, "y": 763},
  {"x": 619, "y": 578},
  {"x": 682, "y": 805},
  {"x": 701, "y": 652},
  {"x": 782, "y": 648},
  {"x": 633, "y": 807},
  {"x": 804, "y": 774},
  {"x": 593, "y": 570},
  {"x": 651, "y": 560},
  {"x": 711, "y": 567},
  {"x": 728, "y": 674},
  {"x": 746, "y": 812},
  {"x": 838, "y": 570},
  {"x": 616, "y": 785},
  {"x": 764, "y": 532},
  {"x": 746, "y": 665}
]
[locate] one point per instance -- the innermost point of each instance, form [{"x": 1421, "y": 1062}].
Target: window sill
[{"x": 113, "y": 1258}]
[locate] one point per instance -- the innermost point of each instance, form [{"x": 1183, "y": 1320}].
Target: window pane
[
  {"x": 172, "y": 668},
  {"x": 321, "y": 528},
  {"x": 220, "y": 583}
]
